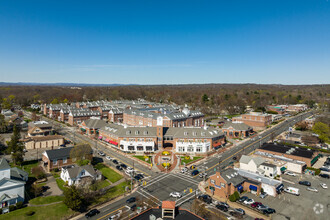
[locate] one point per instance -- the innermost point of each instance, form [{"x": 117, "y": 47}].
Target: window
[
  {"x": 136, "y": 132},
  {"x": 212, "y": 182},
  {"x": 54, "y": 162},
  {"x": 83, "y": 173},
  {"x": 65, "y": 160},
  {"x": 181, "y": 149},
  {"x": 198, "y": 149},
  {"x": 140, "y": 148},
  {"x": 190, "y": 149},
  {"x": 185, "y": 133}
]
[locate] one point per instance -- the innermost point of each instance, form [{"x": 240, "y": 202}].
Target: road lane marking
[
  {"x": 150, "y": 197},
  {"x": 162, "y": 177},
  {"x": 185, "y": 178},
  {"x": 111, "y": 213}
]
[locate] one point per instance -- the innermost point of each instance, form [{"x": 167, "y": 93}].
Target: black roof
[
  {"x": 284, "y": 149},
  {"x": 181, "y": 214},
  {"x": 59, "y": 153}
]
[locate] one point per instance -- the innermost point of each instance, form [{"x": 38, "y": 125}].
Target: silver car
[{"x": 312, "y": 189}]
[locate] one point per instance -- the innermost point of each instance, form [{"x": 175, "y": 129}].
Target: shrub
[
  {"x": 29, "y": 213},
  {"x": 19, "y": 205},
  {"x": 38, "y": 172},
  {"x": 12, "y": 208},
  {"x": 166, "y": 153},
  {"x": 0, "y": 211},
  {"x": 56, "y": 169},
  {"x": 166, "y": 164},
  {"x": 232, "y": 198},
  {"x": 83, "y": 162},
  {"x": 236, "y": 194}
]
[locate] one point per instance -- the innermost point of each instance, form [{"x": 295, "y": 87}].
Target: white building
[
  {"x": 75, "y": 175},
  {"x": 12, "y": 181},
  {"x": 258, "y": 165}
]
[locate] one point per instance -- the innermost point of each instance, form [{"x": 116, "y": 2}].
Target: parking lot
[{"x": 309, "y": 205}]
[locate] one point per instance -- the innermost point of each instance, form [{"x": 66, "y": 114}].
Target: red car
[{"x": 255, "y": 204}]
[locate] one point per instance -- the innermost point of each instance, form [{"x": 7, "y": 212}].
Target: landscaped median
[
  {"x": 185, "y": 160},
  {"x": 145, "y": 158}
]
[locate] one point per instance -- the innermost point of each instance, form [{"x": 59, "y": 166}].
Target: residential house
[
  {"x": 39, "y": 128},
  {"x": 77, "y": 175},
  {"x": 60, "y": 158},
  {"x": 12, "y": 182}
]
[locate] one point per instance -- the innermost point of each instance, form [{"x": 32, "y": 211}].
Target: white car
[
  {"x": 312, "y": 189},
  {"x": 324, "y": 186},
  {"x": 175, "y": 194},
  {"x": 183, "y": 170},
  {"x": 290, "y": 173},
  {"x": 248, "y": 201},
  {"x": 201, "y": 175},
  {"x": 129, "y": 172},
  {"x": 108, "y": 158},
  {"x": 129, "y": 168}
]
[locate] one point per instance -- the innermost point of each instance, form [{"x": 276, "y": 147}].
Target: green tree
[
  {"x": 205, "y": 98},
  {"x": 66, "y": 101},
  {"x": 6, "y": 104},
  {"x": 3, "y": 124},
  {"x": 322, "y": 130},
  {"x": 73, "y": 198},
  {"x": 15, "y": 147},
  {"x": 80, "y": 151},
  {"x": 55, "y": 101}
]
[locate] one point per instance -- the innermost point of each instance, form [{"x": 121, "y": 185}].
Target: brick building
[
  {"x": 78, "y": 116},
  {"x": 59, "y": 158},
  {"x": 256, "y": 120},
  {"x": 236, "y": 129},
  {"x": 225, "y": 183},
  {"x": 92, "y": 126}
]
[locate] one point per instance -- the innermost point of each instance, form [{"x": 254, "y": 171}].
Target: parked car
[
  {"x": 323, "y": 175},
  {"x": 123, "y": 166},
  {"x": 129, "y": 168},
  {"x": 91, "y": 213},
  {"x": 101, "y": 153},
  {"x": 128, "y": 172},
  {"x": 255, "y": 204},
  {"x": 241, "y": 211},
  {"x": 137, "y": 178},
  {"x": 312, "y": 189},
  {"x": 324, "y": 186},
  {"x": 236, "y": 214},
  {"x": 133, "y": 207},
  {"x": 222, "y": 207},
  {"x": 194, "y": 172},
  {"x": 130, "y": 200},
  {"x": 115, "y": 162},
  {"x": 243, "y": 198},
  {"x": 269, "y": 211},
  {"x": 119, "y": 168},
  {"x": 234, "y": 158},
  {"x": 108, "y": 158},
  {"x": 202, "y": 175},
  {"x": 175, "y": 195},
  {"x": 306, "y": 183},
  {"x": 224, "y": 204},
  {"x": 206, "y": 198},
  {"x": 262, "y": 207},
  {"x": 290, "y": 173},
  {"x": 263, "y": 195},
  {"x": 248, "y": 201}
]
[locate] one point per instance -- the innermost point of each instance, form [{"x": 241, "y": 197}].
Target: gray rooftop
[
  {"x": 232, "y": 176},
  {"x": 257, "y": 177},
  {"x": 236, "y": 126}
]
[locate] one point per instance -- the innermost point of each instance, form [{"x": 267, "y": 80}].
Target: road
[{"x": 160, "y": 185}]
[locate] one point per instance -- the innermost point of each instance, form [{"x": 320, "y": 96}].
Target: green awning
[
  {"x": 283, "y": 169},
  {"x": 315, "y": 159},
  {"x": 83, "y": 129}
]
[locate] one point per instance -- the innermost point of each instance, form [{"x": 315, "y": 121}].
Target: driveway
[{"x": 53, "y": 188}]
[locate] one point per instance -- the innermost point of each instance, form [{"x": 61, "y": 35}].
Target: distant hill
[{"x": 59, "y": 84}]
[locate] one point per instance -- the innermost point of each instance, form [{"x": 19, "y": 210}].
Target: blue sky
[{"x": 165, "y": 42}]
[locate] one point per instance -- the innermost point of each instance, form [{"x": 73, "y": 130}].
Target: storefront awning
[
  {"x": 107, "y": 140},
  {"x": 240, "y": 187},
  {"x": 252, "y": 187},
  {"x": 100, "y": 137},
  {"x": 217, "y": 144},
  {"x": 283, "y": 169},
  {"x": 83, "y": 129}
]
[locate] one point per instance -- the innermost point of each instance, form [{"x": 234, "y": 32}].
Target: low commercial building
[
  {"x": 236, "y": 129},
  {"x": 225, "y": 183},
  {"x": 269, "y": 185},
  {"x": 257, "y": 165},
  {"x": 92, "y": 126},
  {"x": 50, "y": 141},
  {"x": 296, "y": 153},
  {"x": 256, "y": 120}
]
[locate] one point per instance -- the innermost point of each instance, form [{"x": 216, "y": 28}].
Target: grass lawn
[
  {"x": 143, "y": 159},
  {"x": 46, "y": 200},
  {"x": 108, "y": 173},
  {"x": 183, "y": 160},
  {"x": 113, "y": 192},
  {"x": 60, "y": 184},
  {"x": 27, "y": 166},
  {"x": 56, "y": 211},
  {"x": 56, "y": 174},
  {"x": 102, "y": 184}
]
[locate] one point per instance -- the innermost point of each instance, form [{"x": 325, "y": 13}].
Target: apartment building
[{"x": 77, "y": 116}]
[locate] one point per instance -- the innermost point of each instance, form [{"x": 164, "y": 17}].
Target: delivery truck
[{"x": 292, "y": 190}]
